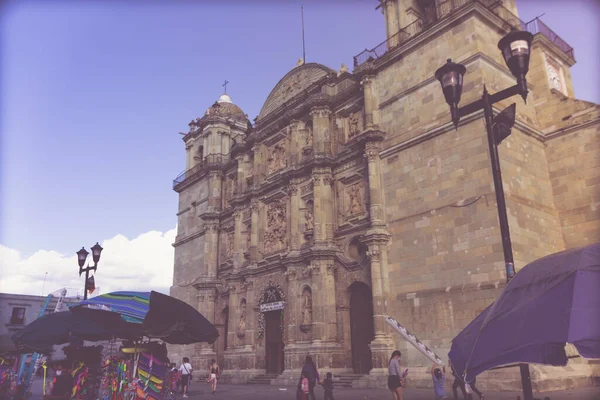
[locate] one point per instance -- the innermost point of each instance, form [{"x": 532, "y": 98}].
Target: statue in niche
[
  {"x": 308, "y": 216},
  {"x": 241, "y": 331},
  {"x": 352, "y": 125},
  {"x": 306, "y": 310},
  {"x": 355, "y": 203},
  {"x": 309, "y": 137}
]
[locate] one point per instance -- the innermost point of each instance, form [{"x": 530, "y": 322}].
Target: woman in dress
[
  {"x": 214, "y": 374},
  {"x": 395, "y": 375}
]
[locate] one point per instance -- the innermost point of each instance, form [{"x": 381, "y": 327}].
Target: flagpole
[{"x": 303, "y": 47}]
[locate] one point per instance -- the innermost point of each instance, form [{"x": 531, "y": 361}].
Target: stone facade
[{"x": 353, "y": 197}]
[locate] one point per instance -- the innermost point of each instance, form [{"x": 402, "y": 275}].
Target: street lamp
[
  {"x": 81, "y": 257},
  {"x": 515, "y": 48}
]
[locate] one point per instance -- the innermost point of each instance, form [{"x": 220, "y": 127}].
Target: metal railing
[
  {"x": 537, "y": 26},
  {"x": 444, "y": 11},
  {"x": 211, "y": 159}
]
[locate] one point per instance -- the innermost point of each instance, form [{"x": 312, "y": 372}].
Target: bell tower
[{"x": 401, "y": 14}]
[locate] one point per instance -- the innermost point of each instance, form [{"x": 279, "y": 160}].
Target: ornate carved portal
[
  {"x": 275, "y": 237},
  {"x": 271, "y": 294}
]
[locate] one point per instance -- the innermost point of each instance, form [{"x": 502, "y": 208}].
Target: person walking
[
  {"x": 439, "y": 378},
  {"x": 458, "y": 383},
  {"x": 214, "y": 374},
  {"x": 474, "y": 389},
  {"x": 395, "y": 375},
  {"x": 186, "y": 375},
  {"x": 328, "y": 387},
  {"x": 309, "y": 369}
]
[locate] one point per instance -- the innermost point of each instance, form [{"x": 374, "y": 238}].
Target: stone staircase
[
  {"x": 262, "y": 379},
  {"x": 344, "y": 380}
]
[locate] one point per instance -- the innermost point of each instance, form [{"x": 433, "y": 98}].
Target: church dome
[{"x": 224, "y": 107}]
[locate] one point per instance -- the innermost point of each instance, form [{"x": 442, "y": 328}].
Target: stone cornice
[
  {"x": 469, "y": 287},
  {"x": 180, "y": 241}
]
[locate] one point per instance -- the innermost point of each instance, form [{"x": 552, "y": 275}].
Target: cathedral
[{"x": 352, "y": 197}]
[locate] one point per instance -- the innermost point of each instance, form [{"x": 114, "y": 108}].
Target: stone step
[{"x": 262, "y": 379}]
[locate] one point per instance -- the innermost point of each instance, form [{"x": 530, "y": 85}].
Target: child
[
  {"x": 174, "y": 378},
  {"x": 304, "y": 386},
  {"x": 328, "y": 387},
  {"x": 439, "y": 377}
]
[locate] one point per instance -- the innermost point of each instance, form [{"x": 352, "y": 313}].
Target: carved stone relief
[
  {"x": 277, "y": 158},
  {"x": 275, "y": 237},
  {"x": 353, "y": 125},
  {"x": 355, "y": 199}
]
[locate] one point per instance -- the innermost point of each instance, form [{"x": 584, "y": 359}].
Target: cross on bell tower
[{"x": 225, "y": 85}]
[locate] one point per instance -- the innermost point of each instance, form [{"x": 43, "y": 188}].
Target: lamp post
[
  {"x": 515, "y": 48},
  {"x": 81, "y": 257}
]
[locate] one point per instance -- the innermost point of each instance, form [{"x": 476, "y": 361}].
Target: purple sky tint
[{"x": 94, "y": 93}]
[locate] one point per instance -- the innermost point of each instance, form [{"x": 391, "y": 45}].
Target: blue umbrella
[{"x": 552, "y": 301}]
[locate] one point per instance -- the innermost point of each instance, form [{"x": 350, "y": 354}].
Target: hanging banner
[
  {"x": 278, "y": 305},
  {"x": 412, "y": 339}
]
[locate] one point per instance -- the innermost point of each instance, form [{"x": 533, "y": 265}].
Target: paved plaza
[
  {"x": 264, "y": 392},
  {"x": 201, "y": 390}
]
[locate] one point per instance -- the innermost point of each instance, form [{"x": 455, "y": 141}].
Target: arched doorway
[
  {"x": 274, "y": 342},
  {"x": 362, "y": 329},
  {"x": 272, "y": 303}
]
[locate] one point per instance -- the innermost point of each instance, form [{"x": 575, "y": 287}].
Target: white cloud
[{"x": 144, "y": 263}]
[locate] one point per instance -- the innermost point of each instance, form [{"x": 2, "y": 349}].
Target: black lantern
[
  {"x": 81, "y": 256},
  {"x": 515, "y": 48},
  {"x": 450, "y": 76},
  {"x": 96, "y": 251}
]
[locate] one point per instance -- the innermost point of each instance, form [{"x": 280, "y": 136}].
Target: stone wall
[{"x": 574, "y": 167}]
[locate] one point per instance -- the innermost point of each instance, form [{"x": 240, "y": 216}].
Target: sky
[{"x": 94, "y": 94}]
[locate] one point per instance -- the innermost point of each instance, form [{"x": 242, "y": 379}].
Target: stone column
[
  {"x": 321, "y": 130},
  {"x": 232, "y": 341},
  {"x": 376, "y": 210},
  {"x": 205, "y": 149},
  {"x": 259, "y": 165},
  {"x": 323, "y": 204},
  {"x": 294, "y": 215},
  {"x": 390, "y": 12},
  {"x": 254, "y": 231},
  {"x": 367, "y": 83},
  {"x": 211, "y": 247},
  {"x": 323, "y": 291},
  {"x": 189, "y": 156},
  {"x": 238, "y": 250},
  {"x": 214, "y": 191},
  {"x": 296, "y": 143},
  {"x": 292, "y": 317},
  {"x": 207, "y": 300},
  {"x": 241, "y": 175}
]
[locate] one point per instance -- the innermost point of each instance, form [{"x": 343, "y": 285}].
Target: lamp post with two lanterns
[
  {"x": 515, "y": 48},
  {"x": 81, "y": 257}
]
